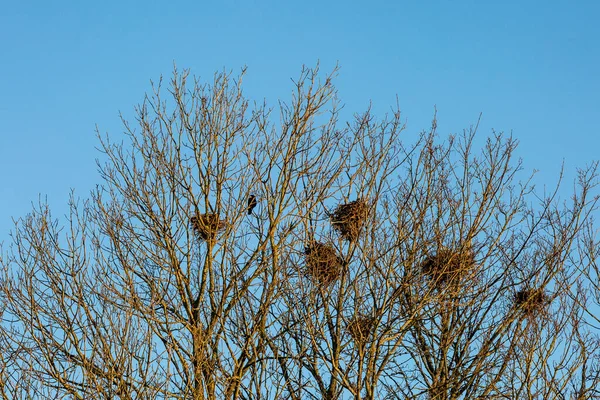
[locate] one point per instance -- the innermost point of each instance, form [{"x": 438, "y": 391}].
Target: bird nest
[
  {"x": 323, "y": 263},
  {"x": 348, "y": 219},
  {"x": 531, "y": 301},
  {"x": 360, "y": 328},
  {"x": 207, "y": 226},
  {"x": 449, "y": 265}
]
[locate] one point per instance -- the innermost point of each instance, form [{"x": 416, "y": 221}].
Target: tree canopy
[{"x": 243, "y": 250}]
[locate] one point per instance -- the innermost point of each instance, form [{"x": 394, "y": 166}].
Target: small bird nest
[
  {"x": 323, "y": 263},
  {"x": 348, "y": 219},
  {"x": 360, "y": 328},
  {"x": 448, "y": 265},
  {"x": 207, "y": 226},
  {"x": 531, "y": 301}
]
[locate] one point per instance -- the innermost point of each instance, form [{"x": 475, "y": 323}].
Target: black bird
[{"x": 251, "y": 203}]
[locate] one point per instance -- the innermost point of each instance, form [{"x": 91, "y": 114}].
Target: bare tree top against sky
[{"x": 247, "y": 250}]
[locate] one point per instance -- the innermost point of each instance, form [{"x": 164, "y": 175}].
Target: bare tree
[{"x": 239, "y": 251}]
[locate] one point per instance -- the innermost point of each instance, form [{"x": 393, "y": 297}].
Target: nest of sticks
[
  {"x": 531, "y": 301},
  {"x": 448, "y": 266},
  {"x": 360, "y": 328},
  {"x": 323, "y": 263},
  {"x": 207, "y": 226},
  {"x": 348, "y": 219}
]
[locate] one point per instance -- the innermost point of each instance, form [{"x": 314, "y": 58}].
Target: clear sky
[{"x": 531, "y": 67}]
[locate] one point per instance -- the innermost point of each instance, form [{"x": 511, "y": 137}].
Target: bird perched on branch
[{"x": 251, "y": 203}]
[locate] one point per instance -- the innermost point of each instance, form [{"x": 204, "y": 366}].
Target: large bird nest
[
  {"x": 207, "y": 226},
  {"x": 360, "y": 328},
  {"x": 323, "y": 263},
  {"x": 531, "y": 301},
  {"x": 449, "y": 266},
  {"x": 348, "y": 219}
]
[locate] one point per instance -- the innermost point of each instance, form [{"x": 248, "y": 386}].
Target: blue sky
[{"x": 531, "y": 67}]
